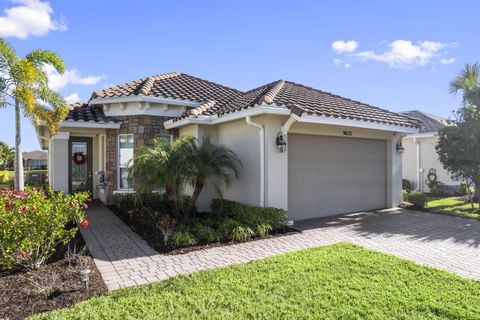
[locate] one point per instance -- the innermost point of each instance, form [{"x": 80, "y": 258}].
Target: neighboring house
[
  {"x": 420, "y": 157},
  {"x": 35, "y": 159},
  {"x": 340, "y": 155}
]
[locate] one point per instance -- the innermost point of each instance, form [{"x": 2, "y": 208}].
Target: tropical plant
[
  {"x": 184, "y": 239},
  {"x": 458, "y": 145},
  {"x": 157, "y": 167},
  {"x": 7, "y": 155},
  {"x": 177, "y": 165},
  {"x": 206, "y": 162},
  {"x": 24, "y": 85},
  {"x": 33, "y": 223}
]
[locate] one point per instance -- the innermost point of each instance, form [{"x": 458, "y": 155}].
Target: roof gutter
[
  {"x": 261, "y": 130},
  {"x": 281, "y": 110}
]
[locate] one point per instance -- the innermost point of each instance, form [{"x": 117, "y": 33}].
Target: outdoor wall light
[
  {"x": 400, "y": 147},
  {"x": 281, "y": 143}
]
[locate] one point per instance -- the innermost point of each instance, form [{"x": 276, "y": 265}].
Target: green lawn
[
  {"x": 342, "y": 281},
  {"x": 453, "y": 205}
]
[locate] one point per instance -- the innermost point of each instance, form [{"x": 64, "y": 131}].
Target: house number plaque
[{"x": 347, "y": 133}]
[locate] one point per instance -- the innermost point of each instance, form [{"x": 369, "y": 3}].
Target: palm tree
[
  {"x": 468, "y": 82},
  {"x": 157, "y": 167},
  {"x": 24, "y": 85},
  {"x": 7, "y": 155},
  {"x": 205, "y": 163},
  {"x": 175, "y": 166}
]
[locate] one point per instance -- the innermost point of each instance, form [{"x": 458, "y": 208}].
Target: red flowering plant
[{"x": 33, "y": 223}]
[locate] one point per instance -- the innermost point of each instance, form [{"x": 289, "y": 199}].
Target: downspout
[
  {"x": 417, "y": 162},
  {"x": 286, "y": 126},
  {"x": 261, "y": 130}
]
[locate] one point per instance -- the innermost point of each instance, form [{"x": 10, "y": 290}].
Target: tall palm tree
[
  {"x": 7, "y": 155},
  {"x": 24, "y": 85},
  {"x": 206, "y": 162},
  {"x": 468, "y": 83}
]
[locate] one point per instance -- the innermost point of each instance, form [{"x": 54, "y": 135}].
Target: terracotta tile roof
[
  {"x": 174, "y": 86},
  {"x": 215, "y": 99},
  {"x": 306, "y": 100},
  {"x": 81, "y": 111}
]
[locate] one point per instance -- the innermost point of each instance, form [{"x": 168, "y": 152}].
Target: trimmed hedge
[{"x": 251, "y": 216}]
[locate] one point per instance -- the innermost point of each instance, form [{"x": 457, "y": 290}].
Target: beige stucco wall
[
  {"x": 428, "y": 159},
  {"x": 244, "y": 140}
]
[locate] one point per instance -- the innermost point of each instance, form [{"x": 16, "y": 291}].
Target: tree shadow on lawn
[{"x": 419, "y": 225}]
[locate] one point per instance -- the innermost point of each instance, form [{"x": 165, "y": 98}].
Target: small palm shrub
[
  {"x": 33, "y": 223},
  {"x": 184, "y": 239}
]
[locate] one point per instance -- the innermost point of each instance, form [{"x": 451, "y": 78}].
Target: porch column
[{"x": 59, "y": 158}]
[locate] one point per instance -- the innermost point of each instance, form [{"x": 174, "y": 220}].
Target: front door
[{"x": 80, "y": 165}]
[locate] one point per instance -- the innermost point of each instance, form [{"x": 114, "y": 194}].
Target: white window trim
[{"x": 118, "y": 164}]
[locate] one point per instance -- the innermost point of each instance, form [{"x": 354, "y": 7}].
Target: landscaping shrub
[
  {"x": 240, "y": 234},
  {"x": 437, "y": 188},
  {"x": 205, "y": 234},
  {"x": 33, "y": 223},
  {"x": 406, "y": 185},
  {"x": 405, "y": 194},
  {"x": 248, "y": 215},
  {"x": 262, "y": 230},
  {"x": 184, "y": 239},
  {"x": 226, "y": 227},
  {"x": 418, "y": 199}
]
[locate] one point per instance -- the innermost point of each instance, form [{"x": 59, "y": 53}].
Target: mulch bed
[
  {"x": 148, "y": 233},
  {"x": 20, "y": 298}
]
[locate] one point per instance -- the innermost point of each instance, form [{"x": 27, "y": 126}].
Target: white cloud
[
  {"x": 405, "y": 54},
  {"x": 448, "y": 60},
  {"x": 339, "y": 62},
  {"x": 29, "y": 17},
  {"x": 344, "y": 46},
  {"x": 58, "y": 81},
  {"x": 72, "y": 98}
]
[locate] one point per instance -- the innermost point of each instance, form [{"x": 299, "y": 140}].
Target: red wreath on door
[{"x": 79, "y": 158}]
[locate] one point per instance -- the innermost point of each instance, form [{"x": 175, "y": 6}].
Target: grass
[
  {"x": 342, "y": 281},
  {"x": 453, "y": 205}
]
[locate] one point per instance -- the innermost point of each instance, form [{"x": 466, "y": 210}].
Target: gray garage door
[{"x": 333, "y": 175}]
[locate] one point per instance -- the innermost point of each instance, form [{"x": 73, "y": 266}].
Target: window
[
  {"x": 166, "y": 136},
  {"x": 125, "y": 154}
]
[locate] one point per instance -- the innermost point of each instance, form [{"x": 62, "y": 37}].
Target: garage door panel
[{"x": 332, "y": 175}]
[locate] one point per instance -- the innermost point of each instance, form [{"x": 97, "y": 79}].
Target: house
[
  {"x": 35, "y": 159},
  {"x": 420, "y": 160},
  {"x": 304, "y": 150}
]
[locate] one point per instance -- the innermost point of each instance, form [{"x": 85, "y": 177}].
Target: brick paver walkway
[{"x": 445, "y": 242}]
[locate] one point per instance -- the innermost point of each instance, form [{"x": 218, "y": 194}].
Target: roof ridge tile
[
  {"x": 202, "y": 108},
  {"x": 269, "y": 97}
]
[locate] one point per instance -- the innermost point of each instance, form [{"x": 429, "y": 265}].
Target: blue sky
[{"x": 398, "y": 56}]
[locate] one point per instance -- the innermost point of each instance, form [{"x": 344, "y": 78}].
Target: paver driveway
[{"x": 445, "y": 242}]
